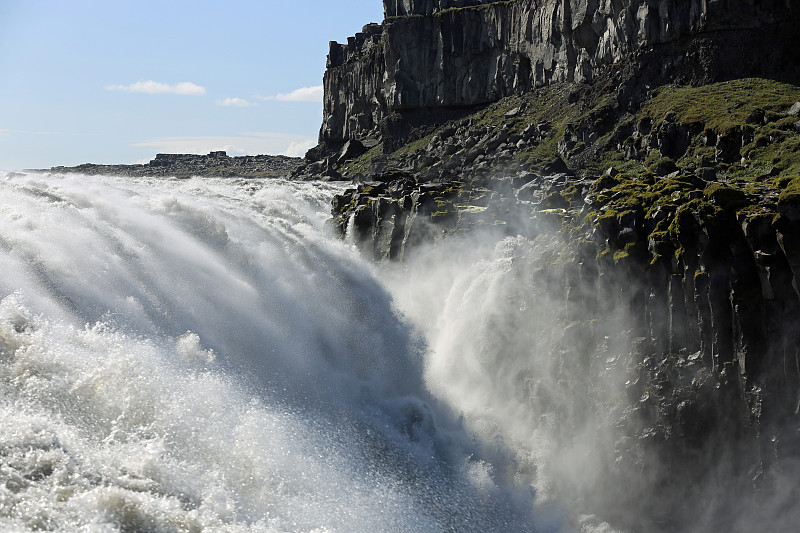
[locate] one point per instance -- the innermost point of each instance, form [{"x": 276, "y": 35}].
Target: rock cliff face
[
  {"x": 440, "y": 54},
  {"x": 686, "y": 288},
  {"x": 655, "y": 145}
]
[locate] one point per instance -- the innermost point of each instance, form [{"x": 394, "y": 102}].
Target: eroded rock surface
[
  {"x": 438, "y": 54},
  {"x": 686, "y": 287}
]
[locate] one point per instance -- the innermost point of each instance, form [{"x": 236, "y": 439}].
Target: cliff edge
[
  {"x": 651, "y": 148},
  {"x": 431, "y": 61}
]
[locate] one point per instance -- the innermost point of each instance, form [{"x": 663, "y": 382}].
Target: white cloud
[
  {"x": 234, "y": 102},
  {"x": 250, "y": 143},
  {"x": 154, "y": 87},
  {"x": 303, "y": 94},
  {"x": 299, "y": 149}
]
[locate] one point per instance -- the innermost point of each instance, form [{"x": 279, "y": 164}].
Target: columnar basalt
[
  {"x": 687, "y": 287},
  {"x": 656, "y": 146},
  {"x": 438, "y": 54}
]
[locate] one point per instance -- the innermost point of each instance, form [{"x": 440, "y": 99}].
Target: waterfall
[{"x": 186, "y": 355}]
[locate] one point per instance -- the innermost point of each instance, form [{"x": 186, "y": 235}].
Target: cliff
[
  {"x": 654, "y": 146},
  {"x": 441, "y": 56},
  {"x": 675, "y": 308}
]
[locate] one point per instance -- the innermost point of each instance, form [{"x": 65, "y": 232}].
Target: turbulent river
[{"x": 202, "y": 355}]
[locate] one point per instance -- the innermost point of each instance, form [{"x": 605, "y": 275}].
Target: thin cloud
[
  {"x": 234, "y": 102},
  {"x": 303, "y": 94},
  {"x": 185, "y": 88},
  {"x": 29, "y": 132}
]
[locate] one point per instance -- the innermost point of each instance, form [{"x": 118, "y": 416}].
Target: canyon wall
[
  {"x": 655, "y": 143},
  {"x": 441, "y": 54}
]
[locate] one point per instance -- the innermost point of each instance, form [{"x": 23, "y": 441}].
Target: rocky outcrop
[
  {"x": 353, "y": 103},
  {"x": 706, "y": 276},
  {"x": 666, "y": 199},
  {"x": 188, "y": 165},
  {"x": 441, "y": 54}
]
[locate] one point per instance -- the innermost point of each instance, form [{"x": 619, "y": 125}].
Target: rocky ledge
[
  {"x": 215, "y": 164},
  {"x": 685, "y": 284},
  {"x": 431, "y": 61},
  {"x": 670, "y": 217},
  {"x": 644, "y": 157}
]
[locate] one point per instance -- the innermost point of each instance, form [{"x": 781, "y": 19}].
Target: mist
[
  {"x": 541, "y": 352},
  {"x": 204, "y": 354}
]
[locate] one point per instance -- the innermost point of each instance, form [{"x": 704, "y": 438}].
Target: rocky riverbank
[
  {"x": 686, "y": 284},
  {"x": 656, "y": 152},
  {"x": 215, "y": 164}
]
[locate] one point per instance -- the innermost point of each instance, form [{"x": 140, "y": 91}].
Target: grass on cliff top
[
  {"x": 770, "y": 142},
  {"x": 721, "y": 105},
  {"x": 729, "y": 106},
  {"x": 772, "y": 146}
]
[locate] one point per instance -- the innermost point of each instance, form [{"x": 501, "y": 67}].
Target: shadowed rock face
[
  {"x": 700, "y": 317},
  {"x": 695, "y": 240},
  {"x": 447, "y": 54}
]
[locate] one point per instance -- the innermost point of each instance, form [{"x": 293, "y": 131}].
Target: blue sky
[{"x": 117, "y": 81}]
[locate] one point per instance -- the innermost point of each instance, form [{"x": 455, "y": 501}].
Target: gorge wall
[
  {"x": 437, "y": 55},
  {"x": 655, "y": 145}
]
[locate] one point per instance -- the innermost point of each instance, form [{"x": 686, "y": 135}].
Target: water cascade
[{"x": 201, "y": 355}]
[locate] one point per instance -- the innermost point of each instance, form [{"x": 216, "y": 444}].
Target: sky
[{"x": 118, "y": 81}]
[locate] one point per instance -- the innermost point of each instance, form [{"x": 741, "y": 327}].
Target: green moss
[
  {"x": 671, "y": 211},
  {"x": 403, "y": 17},
  {"x": 410, "y": 148},
  {"x": 361, "y": 164},
  {"x": 612, "y": 158},
  {"x": 790, "y": 193},
  {"x": 725, "y": 196},
  {"x": 755, "y": 212},
  {"x": 660, "y": 165},
  {"x": 721, "y": 106}
]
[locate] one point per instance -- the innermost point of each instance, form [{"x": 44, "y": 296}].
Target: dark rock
[
  {"x": 708, "y": 289},
  {"x": 351, "y": 149},
  {"x": 707, "y": 173},
  {"x": 557, "y": 166},
  {"x": 757, "y": 116},
  {"x": 215, "y": 164},
  {"x": 397, "y": 66}
]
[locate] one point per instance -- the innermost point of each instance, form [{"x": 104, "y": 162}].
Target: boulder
[
  {"x": 351, "y": 149},
  {"x": 557, "y": 166}
]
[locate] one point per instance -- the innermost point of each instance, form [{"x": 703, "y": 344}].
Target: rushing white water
[{"x": 200, "y": 355}]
